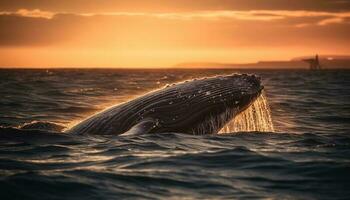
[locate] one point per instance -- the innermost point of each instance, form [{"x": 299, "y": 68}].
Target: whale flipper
[{"x": 142, "y": 127}]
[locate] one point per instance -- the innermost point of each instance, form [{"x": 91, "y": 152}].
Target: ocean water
[{"x": 306, "y": 157}]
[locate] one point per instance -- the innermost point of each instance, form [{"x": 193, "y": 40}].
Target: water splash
[{"x": 256, "y": 118}]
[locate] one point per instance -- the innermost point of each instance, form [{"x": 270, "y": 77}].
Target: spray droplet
[{"x": 256, "y": 118}]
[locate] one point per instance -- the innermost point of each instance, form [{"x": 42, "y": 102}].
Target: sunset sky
[{"x": 162, "y": 33}]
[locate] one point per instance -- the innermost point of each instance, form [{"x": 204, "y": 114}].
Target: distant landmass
[{"x": 326, "y": 62}]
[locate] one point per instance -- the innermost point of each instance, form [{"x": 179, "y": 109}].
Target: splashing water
[{"x": 256, "y": 118}]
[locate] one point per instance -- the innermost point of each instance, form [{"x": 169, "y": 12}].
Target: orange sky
[{"x": 162, "y": 33}]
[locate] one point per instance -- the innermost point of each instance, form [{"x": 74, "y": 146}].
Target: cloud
[
  {"x": 335, "y": 20},
  {"x": 94, "y": 6},
  {"x": 198, "y": 29},
  {"x": 253, "y": 15},
  {"x": 36, "y": 13}
]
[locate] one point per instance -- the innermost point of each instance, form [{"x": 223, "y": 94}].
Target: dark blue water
[{"x": 308, "y": 157}]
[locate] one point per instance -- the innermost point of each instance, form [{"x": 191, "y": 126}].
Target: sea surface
[{"x": 306, "y": 157}]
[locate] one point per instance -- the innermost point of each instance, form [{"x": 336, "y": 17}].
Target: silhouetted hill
[
  {"x": 326, "y": 61},
  {"x": 325, "y": 57}
]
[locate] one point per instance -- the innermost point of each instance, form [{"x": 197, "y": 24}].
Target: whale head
[{"x": 206, "y": 105}]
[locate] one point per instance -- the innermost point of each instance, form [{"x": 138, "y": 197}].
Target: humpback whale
[{"x": 201, "y": 106}]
